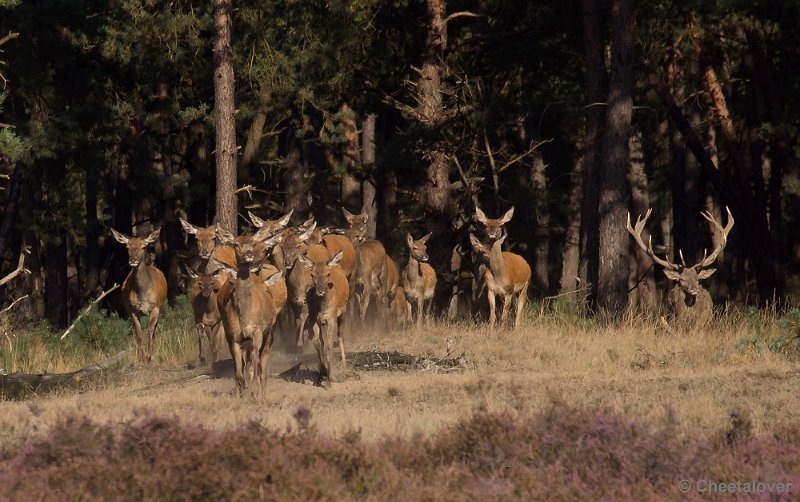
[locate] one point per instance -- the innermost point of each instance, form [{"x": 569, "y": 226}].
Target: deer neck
[
  {"x": 243, "y": 292},
  {"x": 142, "y": 276},
  {"x": 496, "y": 263},
  {"x": 413, "y": 270}
]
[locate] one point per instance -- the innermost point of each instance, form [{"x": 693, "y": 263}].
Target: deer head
[
  {"x": 274, "y": 226},
  {"x": 417, "y": 248},
  {"x": 321, "y": 272},
  {"x": 295, "y": 244},
  {"x": 357, "y": 226},
  {"x": 249, "y": 249},
  {"x": 493, "y": 227},
  {"x": 209, "y": 283},
  {"x": 137, "y": 247},
  {"x": 206, "y": 238},
  {"x": 687, "y": 277}
]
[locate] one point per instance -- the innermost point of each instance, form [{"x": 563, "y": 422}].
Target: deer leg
[
  {"x": 506, "y": 305},
  {"x": 236, "y": 354},
  {"x": 366, "y": 296},
  {"x": 202, "y": 333},
  {"x": 326, "y": 350},
  {"x": 420, "y": 301},
  {"x": 137, "y": 333},
  {"x": 336, "y": 332},
  {"x": 300, "y": 318},
  {"x": 523, "y": 295},
  {"x": 151, "y": 332},
  {"x": 492, "y": 314},
  {"x": 264, "y": 353}
]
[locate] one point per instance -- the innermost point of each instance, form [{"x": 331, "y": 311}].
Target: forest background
[{"x": 575, "y": 112}]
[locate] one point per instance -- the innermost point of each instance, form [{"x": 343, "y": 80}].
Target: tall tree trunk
[
  {"x": 541, "y": 227},
  {"x": 571, "y": 250},
  {"x": 296, "y": 180},
  {"x": 255, "y": 133},
  {"x": 223, "y": 116},
  {"x": 640, "y": 203},
  {"x": 93, "y": 229},
  {"x": 612, "y": 291},
  {"x": 369, "y": 185},
  {"x": 55, "y": 281},
  {"x": 11, "y": 207},
  {"x": 430, "y": 113},
  {"x": 596, "y": 95}
]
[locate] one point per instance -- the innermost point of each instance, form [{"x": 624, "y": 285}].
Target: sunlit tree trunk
[
  {"x": 223, "y": 116},
  {"x": 369, "y": 185}
]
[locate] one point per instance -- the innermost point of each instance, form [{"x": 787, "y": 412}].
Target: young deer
[
  {"x": 247, "y": 308},
  {"x": 688, "y": 302},
  {"x": 144, "y": 289},
  {"x": 274, "y": 227},
  {"x": 298, "y": 282},
  {"x": 419, "y": 279},
  {"x": 493, "y": 229},
  {"x": 207, "y": 317},
  {"x": 370, "y": 277},
  {"x": 356, "y": 229},
  {"x": 330, "y": 293},
  {"x": 203, "y": 305},
  {"x": 505, "y": 275}
]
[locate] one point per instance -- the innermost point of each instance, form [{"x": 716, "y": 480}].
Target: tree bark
[
  {"x": 430, "y": 113},
  {"x": 612, "y": 292},
  {"x": 596, "y": 95},
  {"x": 256, "y": 132},
  {"x": 571, "y": 250},
  {"x": 640, "y": 203},
  {"x": 55, "y": 282},
  {"x": 369, "y": 185},
  {"x": 541, "y": 229},
  {"x": 224, "y": 116},
  {"x": 296, "y": 180}
]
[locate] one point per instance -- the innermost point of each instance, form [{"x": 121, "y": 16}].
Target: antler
[
  {"x": 708, "y": 260},
  {"x": 637, "y": 235}
]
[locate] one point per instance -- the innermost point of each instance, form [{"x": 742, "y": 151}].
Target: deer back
[
  {"x": 392, "y": 276},
  {"x": 370, "y": 260},
  {"x": 428, "y": 279},
  {"x": 518, "y": 271},
  {"x": 278, "y": 290},
  {"x": 336, "y": 243}
]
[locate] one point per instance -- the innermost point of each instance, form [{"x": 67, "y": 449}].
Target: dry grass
[{"x": 637, "y": 368}]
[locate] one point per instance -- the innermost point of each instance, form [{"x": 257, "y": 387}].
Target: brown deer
[
  {"x": 688, "y": 302},
  {"x": 370, "y": 278},
  {"x": 356, "y": 229},
  {"x": 207, "y": 317},
  {"x": 274, "y": 227},
  {"x": 143, "y": 290},
  {"x": 419, "y": 279},
  {"x": 298, "y": 281},
  {"x": 203, "y": 305},
  {"x": 246, "y": 306},
  {"x": 505, "y": 275},
  {"x": 330, "y": 294},
  {"x": 493, "y": 227},
  {"x": 399, "y": 308}
]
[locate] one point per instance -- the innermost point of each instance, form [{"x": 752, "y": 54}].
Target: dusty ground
[{"x": 637, "y": 369}]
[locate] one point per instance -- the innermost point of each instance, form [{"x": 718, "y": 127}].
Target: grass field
[
  {"x": 561, "y": 409},
  {"x": 743, "y": 363}
]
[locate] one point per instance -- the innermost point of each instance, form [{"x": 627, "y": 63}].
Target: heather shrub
[{"x": 564, "y": 453}]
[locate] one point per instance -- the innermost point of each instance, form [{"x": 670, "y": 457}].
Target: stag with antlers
[{"x": 688, "y": 302}]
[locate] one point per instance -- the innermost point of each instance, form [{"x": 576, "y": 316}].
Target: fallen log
[{"x": 18, "y": 386}]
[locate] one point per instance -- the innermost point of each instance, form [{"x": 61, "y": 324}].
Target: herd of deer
[{"x": 242, "y": 284}]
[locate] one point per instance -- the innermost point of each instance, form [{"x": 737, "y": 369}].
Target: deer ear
[
  {"x": 425, "y": 238},
  {"x": 500, "y": 241},
  {"x": 153, "y": 237},
  {"x": 191, "y": 272},
  {"x": 336, "y": 258},
  {"x": 507, "y": 217},
  {"x": 347, "y": 214},
  {"x": 188, "y": 227},
  {"x": 263, "y": 234},
  {"x": 307, "y": 233},
  {"x": 274, "y": 278},
  {"x": 409, "y": 239},
  {"x": 671, "y": 274},
  {"x": 475, "y": 242},
  {"x": 706, "y": 273},
  {"x": 224, "y": 236},
  {"x": 120, "y": 237},
  {"x": 257, "y": 222},
  {"x": 305, "y": 261},
  {"x": 480, "y": 215},
  {"x": 220, "y": 265},
  {"x": 284, "y": 220}
]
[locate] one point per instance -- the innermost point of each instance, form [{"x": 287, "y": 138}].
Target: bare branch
[
  {"x": 20, "y": 267},
  {"x": 86, "y": 310},
  {"x": 14, "y": 303},
  {"x": 11, "y": 36},
  {"x": 460, "y": 14},
  {"x": 247, "y": 188}
]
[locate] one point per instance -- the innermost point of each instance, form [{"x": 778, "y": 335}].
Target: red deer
[
  {"x": 202, "y": 305},
  {"x": 688, "y": 302},
  {"x": 419, "y": 279},
  {"x": 274, "y": 227},
  {"x": 505, "y": 275},
  {"x": 247, "y": 308},
  {"x": 144, "y": 289},
  {"x": 207, "y": 317},
  {"x": 330, "y": 293}
]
